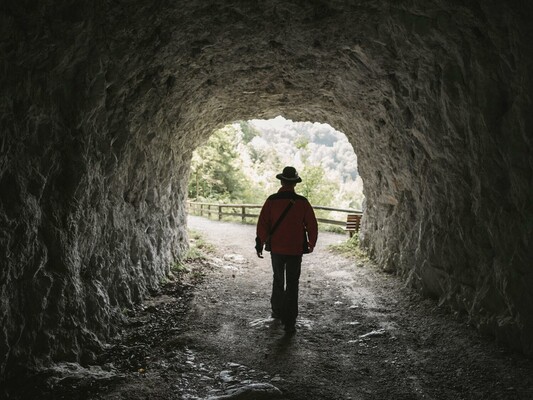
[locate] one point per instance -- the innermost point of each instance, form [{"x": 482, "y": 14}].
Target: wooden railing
[{"x": 244, "y": 211}]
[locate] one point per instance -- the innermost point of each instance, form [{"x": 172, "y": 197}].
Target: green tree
[
  {"x": 215, "y": 168},
  {"x": 248, "y": 131},
  {"x": 316, "y": 187},
  {"x": 301, "y": 142}
]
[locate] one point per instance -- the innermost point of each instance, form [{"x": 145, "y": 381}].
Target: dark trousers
[{"x": 284, "y": 298}]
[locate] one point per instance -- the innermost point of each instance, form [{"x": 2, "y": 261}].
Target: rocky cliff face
[{"x": 102, "y": 106}]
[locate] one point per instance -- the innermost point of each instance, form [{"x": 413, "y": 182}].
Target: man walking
[{"x": 283, "y": 222}]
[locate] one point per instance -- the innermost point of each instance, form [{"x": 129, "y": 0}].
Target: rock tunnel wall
[{"x": 102, "y": 105}]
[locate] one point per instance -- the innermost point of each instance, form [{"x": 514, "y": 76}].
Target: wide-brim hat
[{"x": 289, "y": 174}]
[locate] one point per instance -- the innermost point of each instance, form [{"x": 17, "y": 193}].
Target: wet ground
[{"x": 360, "y": 335}]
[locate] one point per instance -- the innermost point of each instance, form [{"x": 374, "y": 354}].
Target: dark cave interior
[{"x": 103, "y": 104}]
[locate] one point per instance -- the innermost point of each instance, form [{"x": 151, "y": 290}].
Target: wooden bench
[{"x": 353, "y": 222}]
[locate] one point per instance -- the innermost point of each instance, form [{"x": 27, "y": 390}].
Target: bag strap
[{"x": 292, "y": 201}]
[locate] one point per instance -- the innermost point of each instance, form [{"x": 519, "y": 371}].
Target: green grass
[
  {"x": 198, "y": 250},
  {"x": 350, "y": 248},
  {"x": 330, "y": 228}
]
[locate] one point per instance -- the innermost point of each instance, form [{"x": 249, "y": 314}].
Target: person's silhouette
[{"x": 287, "y": 227}]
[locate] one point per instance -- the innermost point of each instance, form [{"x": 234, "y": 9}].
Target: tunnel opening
[
  {"x": 103, "y": 107},
  {"x": 239, "y": 162}
]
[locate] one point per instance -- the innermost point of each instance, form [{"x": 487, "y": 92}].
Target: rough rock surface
[{"x": 103, "y": 103}]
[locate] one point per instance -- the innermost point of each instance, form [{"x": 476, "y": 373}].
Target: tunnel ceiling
[{"x": 102, "y": 105}]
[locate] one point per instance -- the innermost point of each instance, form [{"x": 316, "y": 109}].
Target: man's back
[{"x": 289, "y": 236}]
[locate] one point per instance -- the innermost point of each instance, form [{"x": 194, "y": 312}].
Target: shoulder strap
[{"x": 292, "y": 201}]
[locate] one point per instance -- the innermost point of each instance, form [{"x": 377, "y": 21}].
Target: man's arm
[
  {"x": 263, "y": 222},
  {"x": 263, "y": 228},
  {"x": 311, "y": 225}
]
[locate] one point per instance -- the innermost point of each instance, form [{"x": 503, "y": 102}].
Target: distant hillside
[
  {"x": 325, "y": 146},
  {"x": 266, "y": 146}
]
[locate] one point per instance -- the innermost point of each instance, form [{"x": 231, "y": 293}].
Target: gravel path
[{"x": 361, "y": 334}]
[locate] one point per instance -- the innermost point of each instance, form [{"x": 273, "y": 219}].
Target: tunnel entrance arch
[{"x": 239, "y": 162}]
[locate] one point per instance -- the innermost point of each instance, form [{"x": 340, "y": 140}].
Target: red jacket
[{"x": 288, "y": 237}]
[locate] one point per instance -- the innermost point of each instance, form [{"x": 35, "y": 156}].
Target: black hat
[{"x": 289, "y": 174}]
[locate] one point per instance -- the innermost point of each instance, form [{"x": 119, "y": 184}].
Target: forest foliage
[{"x": 239, "y": 163}]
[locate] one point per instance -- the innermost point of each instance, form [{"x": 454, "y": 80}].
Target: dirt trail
[{"x": 360, "y": 335}]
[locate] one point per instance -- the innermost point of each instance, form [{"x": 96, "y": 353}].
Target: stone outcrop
[{"x": 103, "y": 103}]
